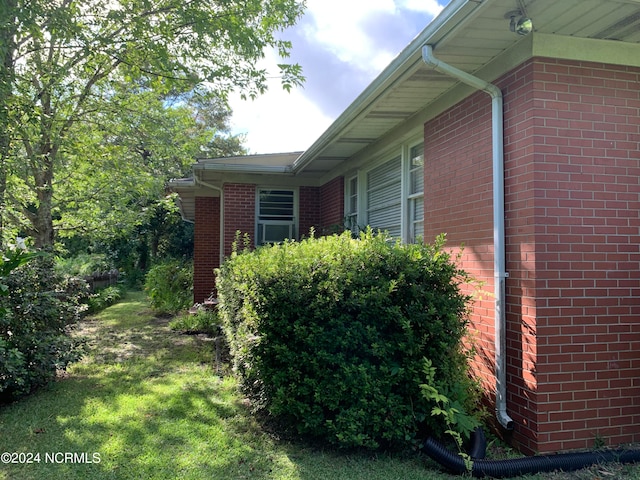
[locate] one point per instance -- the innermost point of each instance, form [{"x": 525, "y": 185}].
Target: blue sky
[{"x": 342, "y": 45}]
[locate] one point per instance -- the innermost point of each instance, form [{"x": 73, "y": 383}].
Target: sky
[{"x": 342, "y": 46}]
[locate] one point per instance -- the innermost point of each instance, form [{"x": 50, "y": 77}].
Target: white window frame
[
  {"x": 291, "y": 224},
  {"x": 407, "y": 198},
  {"x": 351, "y": 213},
  {"x": 410, "y": 233}
]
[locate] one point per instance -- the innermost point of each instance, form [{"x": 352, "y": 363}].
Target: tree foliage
[
  {"x": 139, "y": 142},
  {"x": 93, "y": 92}
]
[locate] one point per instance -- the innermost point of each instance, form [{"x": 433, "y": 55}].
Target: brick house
[{"x": 536, "y": 173}]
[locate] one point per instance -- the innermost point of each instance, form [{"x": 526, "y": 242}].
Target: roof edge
[
  {"x": 244, "y": 168},
  {"x": 444, "y": 21}
]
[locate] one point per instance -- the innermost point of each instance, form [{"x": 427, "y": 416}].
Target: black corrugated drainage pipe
[{"x": 520, "y": 466}]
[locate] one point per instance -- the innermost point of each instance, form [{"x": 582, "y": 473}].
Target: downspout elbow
[
  {"x": 206, "y": 184},
  {"x": 440, "y": 66},
  {"x": 429, "y": 58}
]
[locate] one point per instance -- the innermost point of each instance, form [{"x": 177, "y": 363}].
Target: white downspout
[{"x": 499, "y": 267}]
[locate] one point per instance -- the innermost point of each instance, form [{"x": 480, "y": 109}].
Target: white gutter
[{"x": 499, "y": 267}]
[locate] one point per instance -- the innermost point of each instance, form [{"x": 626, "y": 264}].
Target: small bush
[
  {"x": 170, "y": 286},
  {"x": 36, "y": 308},
  {"x": 329, "y": 335},
  {"x": 203, "y": 321},
  {"x": 103, "y": 298}
]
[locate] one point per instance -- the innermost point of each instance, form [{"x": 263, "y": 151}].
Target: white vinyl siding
[{"x": 384, "y": 197}]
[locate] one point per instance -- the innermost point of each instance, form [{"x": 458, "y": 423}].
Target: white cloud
[
  {"x": 278, "y": 121},
  {"x": 359, "y": 38},
  {"x": 432, "y": 7},
  {"x": 337, "y": 25}
]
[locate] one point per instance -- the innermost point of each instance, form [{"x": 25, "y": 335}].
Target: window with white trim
[
  {"x": 275, "y": 215},
  {"x": 415, "y": 194},
  {"x": 389, "y": 196},
  {"x": 351, "y": 214}
]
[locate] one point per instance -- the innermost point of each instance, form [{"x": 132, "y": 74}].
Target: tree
[
  {"x": 68, "y": 64},
  {"x": 141, "y": 140},
  {"x": 131, "y": 220},
  {"x": 7, "y": 53}
]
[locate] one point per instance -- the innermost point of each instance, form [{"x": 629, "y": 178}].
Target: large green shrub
[
  {"x": 36, "y": 308},
  {"x": 170, "y": 286},
  {"x": 329, "y": 335},
  {"x": 103, "y": 298}
]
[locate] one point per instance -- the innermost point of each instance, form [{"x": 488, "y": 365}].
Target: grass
[{"x": 146, "y": 402}]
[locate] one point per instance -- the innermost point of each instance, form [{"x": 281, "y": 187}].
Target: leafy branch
[{"x": 459, "y": 423}]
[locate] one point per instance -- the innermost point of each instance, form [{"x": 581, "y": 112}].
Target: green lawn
[{"x": 146, "y": 403}]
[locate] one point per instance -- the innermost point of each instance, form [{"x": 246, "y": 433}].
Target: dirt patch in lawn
[{"x": 111, "y": 343}]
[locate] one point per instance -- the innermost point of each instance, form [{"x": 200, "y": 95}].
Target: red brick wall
[
  {"x": 206, "y": 249},
  {"x": 587, "y": 202},
  {"x": 458, "y": 202},
  {"x": 309, "y": 211},
  {"x": 332, "y": 204},
  {"x": 572, "y": 202},
  {"x": 521, "y": 227},
  {"x": 319, "y": 207},
  {"x": 239, "y": 212}
]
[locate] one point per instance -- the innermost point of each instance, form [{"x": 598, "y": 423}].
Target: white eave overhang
[
  {"x": 179, "y": 183},
  {"x": 268, "y": 163},
  {"x": 230, "y": 167},
  {"x": 364, "y": 105}
]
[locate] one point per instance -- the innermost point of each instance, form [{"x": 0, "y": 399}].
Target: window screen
[{"x": 384, "y": 197}]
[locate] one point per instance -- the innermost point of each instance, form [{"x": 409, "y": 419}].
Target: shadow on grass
[
  {"x": 146, "y": 403},
  {"x": 143, "y": 404}
]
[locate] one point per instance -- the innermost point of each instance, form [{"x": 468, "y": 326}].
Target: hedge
[{"x": 329, "y": 335}]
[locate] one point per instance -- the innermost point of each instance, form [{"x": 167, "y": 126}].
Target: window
[
  {"x": 384, "y": 204},
  {"x": 276, "y": 215},
  {"x": 415, "y": 194},
  {"x": 351, "y": 222},
  {"x": 389, "y": 196}
]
